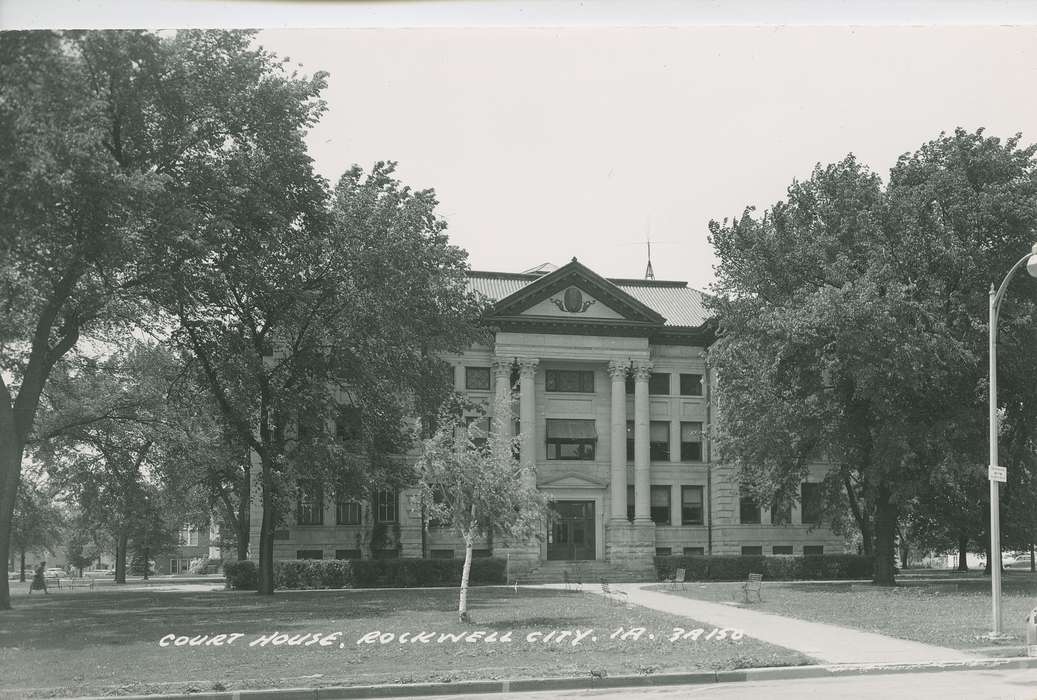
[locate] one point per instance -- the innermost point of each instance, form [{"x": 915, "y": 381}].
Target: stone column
[
  {"x": 524, "y": 556},
  {"x": 527, "y": 409},
  {"x": 618, "y": 441},
  {"x": 502, "y": 397},
  {"x": 642, "y": 474}
]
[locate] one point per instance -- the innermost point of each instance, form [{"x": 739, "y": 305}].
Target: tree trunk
[
  {"x": 21, "y": 577},
  {"x": 120, "y": 557},
  {"x": 266, "y": 531},
  {"x": 885, "y": 538},
  {"x": 1033, "y": 563},
  {"x": 242, "y": 523},
  {"x": 462, "y": 603},
  {"x": 963, "y": 562},
  {"x": 10, "y": 474}
]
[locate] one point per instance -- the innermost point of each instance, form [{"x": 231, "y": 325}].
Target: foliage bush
[
  {"x": 241, "y": 575},
  {"x": 780, "y": 568},
  {"x": 365, "y": 573}
]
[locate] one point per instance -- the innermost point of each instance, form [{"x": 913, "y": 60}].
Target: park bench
[
  {"x": 52, "y": 581},
  {"x": 75, "y": 583},
  {"x": 753, "y": 585},
  {"x": 678, "y": 577},
  {"x": 612, "y": 596}
]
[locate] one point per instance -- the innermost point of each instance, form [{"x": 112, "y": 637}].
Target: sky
[{"x": 584, "y": 140}]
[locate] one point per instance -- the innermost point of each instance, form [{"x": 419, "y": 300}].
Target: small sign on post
[{"x": 995, "y": 473}]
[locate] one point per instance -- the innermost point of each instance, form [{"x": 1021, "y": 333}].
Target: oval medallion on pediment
[{"x": 573, "y": 300}]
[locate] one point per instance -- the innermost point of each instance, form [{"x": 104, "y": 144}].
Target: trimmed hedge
[
  {"x": 780, "y": 568},
  {"x": 241, "y": 575},
  {"x": 366, "y": 573}
]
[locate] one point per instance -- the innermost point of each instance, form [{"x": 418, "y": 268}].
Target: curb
[{"x": 582, "y": 683}]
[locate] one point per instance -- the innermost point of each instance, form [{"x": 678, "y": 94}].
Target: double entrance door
[{"x": 571, "y": 534}]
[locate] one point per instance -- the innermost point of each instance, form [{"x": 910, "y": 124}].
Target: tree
[
  {"x": 119, "y": 442},
  {"x": 474, "y": 484},
  {"x": 851, "y": 322},
  {"x": 38, "y": 522},
  {"x": 309, "y": 309},
  {"x": 109, "y": 143}
]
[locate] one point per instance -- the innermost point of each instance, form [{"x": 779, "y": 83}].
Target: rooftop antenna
[{"x": 649, "y": 272}]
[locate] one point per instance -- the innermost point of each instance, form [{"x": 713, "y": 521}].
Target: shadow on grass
[{"x": 78, "y": 620}]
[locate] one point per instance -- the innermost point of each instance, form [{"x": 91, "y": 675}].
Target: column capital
[
  {"x": 528, "y": 366},
  {"x": 642, "y": 370},
  {"x": 618, "y": 369},
  {"x": 502, "y": 366}
]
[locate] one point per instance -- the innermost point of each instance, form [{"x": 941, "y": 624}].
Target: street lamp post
[{"x": 1030, "y": 260}]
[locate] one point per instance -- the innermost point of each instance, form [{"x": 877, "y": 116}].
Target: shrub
[
  {"x": 241, "y": 575},
  {"x": 406, "y": 573},
  {"x": 738, "y": 568},
  {"x": 365, "y": 573},
  {"x": 313, "y": 573}
]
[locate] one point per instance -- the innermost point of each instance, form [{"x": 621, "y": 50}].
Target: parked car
[
  {"x": 1019, "y": 563},
  {"x": 54, "y": 571}
]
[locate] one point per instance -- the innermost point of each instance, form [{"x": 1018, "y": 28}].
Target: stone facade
[{"x": 611, "y": 396}]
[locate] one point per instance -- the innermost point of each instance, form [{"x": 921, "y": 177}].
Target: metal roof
[{"x": 678, "y": 303}]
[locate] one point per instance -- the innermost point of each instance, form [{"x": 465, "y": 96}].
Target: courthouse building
[{"x": 612, "y": 397}]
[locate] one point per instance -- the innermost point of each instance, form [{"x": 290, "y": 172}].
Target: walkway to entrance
[{"x": 827, "y": 643}]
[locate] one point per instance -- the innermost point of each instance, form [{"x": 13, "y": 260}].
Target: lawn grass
[
  {"x": 108, "y": 642},
  {"x": 950, "y": 611}
]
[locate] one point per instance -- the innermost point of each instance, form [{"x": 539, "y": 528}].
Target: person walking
[{"x": 38, "y": 580}]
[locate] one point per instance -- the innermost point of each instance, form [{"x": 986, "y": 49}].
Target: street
[{"x": 975, "y": 685}]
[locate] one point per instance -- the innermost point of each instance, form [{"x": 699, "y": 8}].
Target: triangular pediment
[
  {"x": 575, "y": 293},
  {"x": 574, "y": 480}
]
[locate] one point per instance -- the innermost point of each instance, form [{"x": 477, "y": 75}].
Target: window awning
[{"x": 571, "y": 429}]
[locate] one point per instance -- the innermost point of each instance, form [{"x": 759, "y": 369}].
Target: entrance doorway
[{"x": 571, "y": 534}]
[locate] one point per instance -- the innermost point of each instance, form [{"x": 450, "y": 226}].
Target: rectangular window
[
  {"x": 385, "y": 554},
  {"x": 659, "y": 384},
  {"x": 691, "y": 505},
  {"x": 660, "y": 505},
  {"x": 630, "y": 384},
  {"x": 810, "y": 495},
  {"x": 188, "y": 537},
  {"x": 347, "y": 423},
  {"x": 571, "y": 439},
  {"x": 748, "y": 510},
  {"x": 659, "y": 441},
  {"x": 781, "y": 549},
  {"x": 752, "y": 551},
  {"x": 691, "y": 385},
  {"x": 630, "y": 502},
  {"x": 481, "y": 554},
  {"x": 630, "y": 441},
  {"x": 477, "y": 378},
  {"x": 663, "y": 551},
  {"x": 813, "y": 550},
  {"x": 694, "y": 551},
  {"x": 691, "y": 442},
  {"x": 347, "y": 511},
  {"x": 385, "y": 506},
  {"x": 310, "y": 506},
  {"x": 572, "y": 380},
  {"x": 309, "y": 554},
  {"x": 347, "y": 554},
  {"x": 441, "y": 554},
  {"x": 282, "y": 535}
]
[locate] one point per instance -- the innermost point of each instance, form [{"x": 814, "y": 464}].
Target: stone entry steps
[{"x": 589, "y": 572}]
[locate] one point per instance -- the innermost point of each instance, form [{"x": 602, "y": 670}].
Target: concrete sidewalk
[{"x": 827, "y": 643}]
